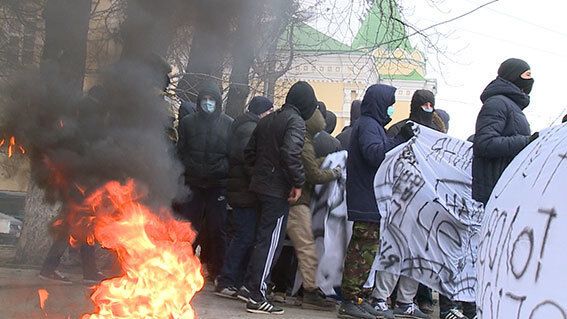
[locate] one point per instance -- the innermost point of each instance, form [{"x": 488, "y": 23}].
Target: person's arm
[
  {"x": 292, "y": 146},
  {"x": 313, "y": 172},
  {"x": 371, "y": 143},
  {"x": 249, "y": 154},
  {"x": 490, "y": 124}
]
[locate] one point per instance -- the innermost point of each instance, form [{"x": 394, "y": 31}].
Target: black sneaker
[
  {"x": 316, "y": 300},
  {"x": 380, "y": 309},
  {"x": 351, "y": 310},
  {"x": 263, "y": 307},
  {"x": 56, "y": 277},
  {"x": 409, "y": 311},
  {"x": 95, "y": 279},
  {"x": 226, "y": 292},
  {"x": 453, "y": 314},
  {"x": 243, "y": 294},
  {"x": 426, "y": 307}
]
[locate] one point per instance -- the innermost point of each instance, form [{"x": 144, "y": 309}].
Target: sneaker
[
  {"x": 243, "y": 294},
  {"x": 94, "y": 280},
  {"x": 426, "y": 307},
  {"x": 227, "y": 292},
  {"x": 351, "y": 310},
  {"x": 453, "y": 314},
  {"x": 381, "y": 309},
  {"x": 56, "y": 277},
  {"x": 263, "y": 307},
  {"x": 316, "y": 300},
  {"x": 410, "y": 311}
]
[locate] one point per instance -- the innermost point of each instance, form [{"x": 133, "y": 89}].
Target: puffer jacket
[
  {"x": 238, "y": 177},
  {"x": 367, "y": 150},
  {"x": 273, "y": 153},
  {"x": 203, "y": 143},
  {"x": 313, "y": 173},
  {"x": 502, "y": 131}
]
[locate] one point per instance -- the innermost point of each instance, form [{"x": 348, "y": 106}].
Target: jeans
[
  {"x": 270, "y": 234},
  {"x": 207, "y": 212},
  {"x": 57, "y": 250},
  {"x": 240, "y": 247}
]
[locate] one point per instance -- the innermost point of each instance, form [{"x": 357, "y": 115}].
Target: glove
[
  {"x": 533, "y": 137},
  {"x": 406, "y": 132},
  {"x": 338, "y": 172}
]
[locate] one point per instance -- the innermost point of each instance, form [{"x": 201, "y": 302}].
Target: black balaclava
[
  {"x": 417, "y": 114},
  {"x": 331, "y": 122},
  {"x": 512, "y": 69},
  {"x": 302, "y": 96}
]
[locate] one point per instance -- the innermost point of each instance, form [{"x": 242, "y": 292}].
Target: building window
[
  {"x": 338, "y": 69},
  {"x": 306, "y": 68},
  {"x": 329, "y": 69},
  {"x": 321, "y": 68}
]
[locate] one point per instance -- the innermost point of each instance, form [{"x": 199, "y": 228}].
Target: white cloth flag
[
  {"x": 430, "y": 224},
  {"x": 521, "y": 259},
  {"x": 331, "y": 229}
]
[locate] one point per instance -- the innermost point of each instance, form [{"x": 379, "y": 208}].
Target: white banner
[
  {"x": 331, "y": 229},
  {"x": 522, "y": 263},
  {"x": 430, "y": 224}
]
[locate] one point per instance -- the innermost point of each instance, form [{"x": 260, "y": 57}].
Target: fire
[
  {"x": 43, "y": 295},
  {"x": 161, "y": 272},
  {"x": 12, "y": 146}
]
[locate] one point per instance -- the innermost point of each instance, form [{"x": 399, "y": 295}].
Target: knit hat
[
  {"x": 511, "y": 69},
  {"x": 259, "y": 105},
  {"x": 302, "y": 96}
]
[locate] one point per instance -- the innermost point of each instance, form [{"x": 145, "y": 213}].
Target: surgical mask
[
  {"x": 391, "y": 110},
  {"x": 427, "y": 109},
  {"x": 208, "y": 105}
]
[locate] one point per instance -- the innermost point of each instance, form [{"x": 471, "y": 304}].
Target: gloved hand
[
  {"x": 338, "y": 172},
  {"x": 406, "y": 132},
  {"x": 533, "y": 137}
]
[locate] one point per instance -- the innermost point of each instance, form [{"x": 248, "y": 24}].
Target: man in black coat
[
  {"x": 502, "y": 130},
  {"x": 241, "y": 199},
  {"x": 422, "y": 107},
  {"x": 203, "y": 147},
  {"x": 344, "y": 136},
  {"x": 274, "y": 156}
]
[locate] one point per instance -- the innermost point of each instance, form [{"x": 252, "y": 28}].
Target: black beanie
[
  {"x": 511, "y": 69},
  {"x": 259, "y": 105},
  {"x": 354, "y": 111},
  {"x": 323, "y": 108},
  {"x": 302, "y": 96},
  {"x": 421, "y": 97}
]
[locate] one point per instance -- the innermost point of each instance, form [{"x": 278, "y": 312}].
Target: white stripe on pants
[{"x": 270, "y": 258}]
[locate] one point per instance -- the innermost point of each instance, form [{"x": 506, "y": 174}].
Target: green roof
[
  {"x": 413, "y": 76},
  {"x": 307, "y": 38},
  {"x": 382, "y": 28}
]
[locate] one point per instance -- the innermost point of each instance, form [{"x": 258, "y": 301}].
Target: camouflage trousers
[{"x": 359, "y": 258}]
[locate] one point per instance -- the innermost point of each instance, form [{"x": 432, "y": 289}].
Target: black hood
[
  {"x": 417, "y": 114},
  {"x": 302, "y": 96},
  {"x": 354, "y": 111},
  {"x": 330, "y": 122},
  {"x": 212, "y": 89},
  {"x": 377, "y": 99},
  {"x": 504, "y": 87}
]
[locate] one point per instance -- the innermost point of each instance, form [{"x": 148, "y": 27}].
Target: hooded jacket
[
  {"x": 367, "y": 150},
  {"x": 344, "y": 136},
  {"x": 502, "y": 131},
  {"x": 203, "y": 143},
  {"x": 417, "y": 114},
  {"x": 323, "y": 141},
  {"x": 313, "y": 173}
]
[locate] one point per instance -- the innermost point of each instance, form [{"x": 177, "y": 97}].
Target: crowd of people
[{"x": 252, "y": 180}]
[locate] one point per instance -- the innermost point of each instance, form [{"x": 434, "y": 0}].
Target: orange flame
[
  {"x": 161, "y": 272},
  {"x": 12, "y": 146},
  {"x": 43, "y": 295}
]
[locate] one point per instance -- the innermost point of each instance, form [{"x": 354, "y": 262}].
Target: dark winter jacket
[
  {"x": 203, "y": 143},
  {"x": 313, "y": 173},
  {"x": 273, "y": 154},
  {"x": 326, "y": 144},
  {"x": 186, "y": 108},
  {"x": 344, "y": 136},
  {"x": 502, "y": 131},
  {"x": 368, "y": 146},
  {"x": 239, "y": 194}
]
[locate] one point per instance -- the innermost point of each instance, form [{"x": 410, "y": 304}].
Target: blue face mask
[
  {"x": 391, "y": 110},
  {"x": 208, "y": 105}
]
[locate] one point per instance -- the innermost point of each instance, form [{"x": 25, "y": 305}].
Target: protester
[
  {"x": 367, "y": 150},
  {"x": 344, "y": 136},
  {"x": 323, "y": 141},
  {"x": 421, "y": 111},
  {"x": 299, "y": 226},
  {"x": 274, "y": 156},
  {"x": 241, "y": 199},
  {"x": 502, "y": 129},
  {"x": 186, "y": 108},
  {"x": 444, "y": 117},
  {"x": 204, "y": 150}
]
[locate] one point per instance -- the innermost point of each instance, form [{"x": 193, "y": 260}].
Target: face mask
[
  {"x": 427, "y": 109},
  {"x": 391, "y": 110},
  {"x": 208, "y": 105},
  {"x": 525, "y": 85}
]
